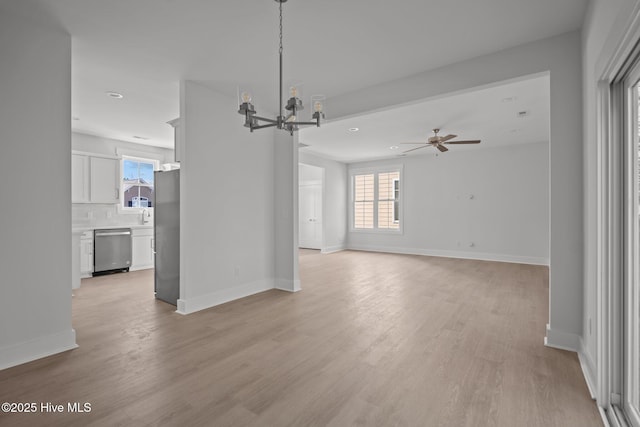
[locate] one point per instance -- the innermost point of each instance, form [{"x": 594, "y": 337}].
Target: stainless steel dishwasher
[{"x": 111, "y": 250}]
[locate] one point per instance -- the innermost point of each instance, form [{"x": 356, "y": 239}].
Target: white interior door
[{"x": 310, "y": 216}]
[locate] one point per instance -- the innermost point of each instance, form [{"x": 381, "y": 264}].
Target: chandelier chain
[
  {"x": 280, "y": 27},
  {"x": 288, "y": 122}
]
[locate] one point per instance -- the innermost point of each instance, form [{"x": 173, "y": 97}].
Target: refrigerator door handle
[{"x": 114, "y": 233}]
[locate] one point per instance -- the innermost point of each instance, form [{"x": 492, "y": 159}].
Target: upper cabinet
[
  {"x": 94, "y": 179},
  {"x": 104, "y": 180},
  {"x": 79, "y": 178}
]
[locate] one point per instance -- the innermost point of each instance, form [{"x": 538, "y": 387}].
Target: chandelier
[{"x": 288, "y": 122}]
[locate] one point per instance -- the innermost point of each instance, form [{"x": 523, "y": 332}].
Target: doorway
[{"x": 310, "y": 205}]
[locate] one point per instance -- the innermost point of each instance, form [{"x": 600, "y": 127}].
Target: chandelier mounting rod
[{"x": 290, "y": 122}]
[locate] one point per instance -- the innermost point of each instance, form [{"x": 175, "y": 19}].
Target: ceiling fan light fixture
[
  {"x": 289, "y": 122},
  {"x": 438, "y": 142}
]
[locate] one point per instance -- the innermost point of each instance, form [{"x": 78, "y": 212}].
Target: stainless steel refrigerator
[{"x": 167, "y": 235}]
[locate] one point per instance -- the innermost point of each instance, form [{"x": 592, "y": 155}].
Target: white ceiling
[
  {"x": 143, "y": 48},
  {"x": 490, "y": 114}
]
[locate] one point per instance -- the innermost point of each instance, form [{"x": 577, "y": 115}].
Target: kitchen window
[
  {"x": 137, "y": 182},
  {"x": 376, "y": 200}
]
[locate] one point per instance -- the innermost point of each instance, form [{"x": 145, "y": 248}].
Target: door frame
[
  {"x": 324, "y": 204},
  {"x": 630, "y": 371},
  {"x": 610, "y": 216}
]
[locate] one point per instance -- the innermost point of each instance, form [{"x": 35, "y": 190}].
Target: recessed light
[
  {"x": 140, "y": 137},
  {"x": 393, "y": 147},
  {"x": 115, "y": 95},
  {"x": 354, "y": 129}
]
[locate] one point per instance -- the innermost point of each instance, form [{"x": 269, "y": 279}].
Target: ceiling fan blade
[
  {"x": 446, "y": 138},
  {"x": 417, "y": 148},
  {"x": 471, "y": 141},
  {"x": 442, "y": 148}
]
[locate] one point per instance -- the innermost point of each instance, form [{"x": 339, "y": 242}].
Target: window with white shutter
[
  {"x": 375, "y": 200},
  {"x": 364, "y": 193}
]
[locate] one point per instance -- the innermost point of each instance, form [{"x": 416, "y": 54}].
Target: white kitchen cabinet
[
  {"x": 79, "y": 178},
  {"x": 86, "y": 254},
  {"x": 142, "y": 248},
  {"x": 75, "y": 260},
  {"x": 94, "y": 178},
  {"x": 104, "y": 180}
]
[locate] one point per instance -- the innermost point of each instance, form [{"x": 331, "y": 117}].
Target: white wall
[
  {"x": 506, "y": 220},
  {"x": 604, "y": 22},
  {"x": 285, "y": 226},
  {"x": 113, "y": 147},
  {"x": 309, "y": 174},
  {"x": 227, "y": 202},
  {"x": 35, "y": 177},
  {"x": 334, "y": 206},
  {"x": 561, "y": 57}
]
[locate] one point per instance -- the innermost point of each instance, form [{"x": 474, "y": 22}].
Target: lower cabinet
[
  {"x": 142, "y": 248},
  {"x": 141, "y": 252},
  {"x": 86, "y": 254}
]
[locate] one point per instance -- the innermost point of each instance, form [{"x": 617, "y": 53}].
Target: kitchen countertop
[{"x": 82, "y": 229}]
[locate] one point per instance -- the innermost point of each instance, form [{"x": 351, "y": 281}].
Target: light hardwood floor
[{"x": 372, "y": 339}]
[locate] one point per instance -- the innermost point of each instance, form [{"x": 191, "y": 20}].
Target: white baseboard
[
  {"x": 332, "y": 249},
  {"x": 144, "y": 267},
  {"x": 287, "y": 285},
  {"x": 37, "y": 348},
  {"x": 482, "y": 256},
  {"x": 588, "y": 369},
  {"x": 562, "y": 340},
  {"x": 603, "y": 416},
  {"x": 191, "y": 305}
]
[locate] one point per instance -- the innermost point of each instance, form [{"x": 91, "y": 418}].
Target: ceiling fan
[{"x": 439, "y": 141}]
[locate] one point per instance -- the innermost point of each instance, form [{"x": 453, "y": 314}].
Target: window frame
[
  {"x": 376, "y": 171},
  {"x": 396, "y": 200},
  {"x": 134, "y": 210}
]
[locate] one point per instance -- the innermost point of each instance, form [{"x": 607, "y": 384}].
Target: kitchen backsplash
[{"x": 96, "y": 215}]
